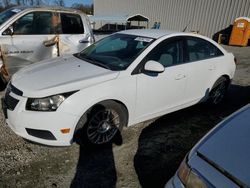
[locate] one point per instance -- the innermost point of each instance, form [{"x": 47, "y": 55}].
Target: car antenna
[{"x": 185, "y": 28}]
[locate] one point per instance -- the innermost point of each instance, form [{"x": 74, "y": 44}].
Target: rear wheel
[
  {"x": 102, "y": 123},
  {"x": 218, "y": 91}
]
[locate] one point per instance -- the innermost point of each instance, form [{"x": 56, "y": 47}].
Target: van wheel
[
  {"x": 3, "y": 83},
  {"x": 101, "y": 124},
  {"x": 218, "y": 92}
]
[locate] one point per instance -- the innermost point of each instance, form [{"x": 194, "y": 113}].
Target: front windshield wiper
[
  {"x": 92, "y": 60},
  {"x": 99, "y": 64}
]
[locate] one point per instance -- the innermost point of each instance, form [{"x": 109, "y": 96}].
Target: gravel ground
[{"x": 148, "y": 155}]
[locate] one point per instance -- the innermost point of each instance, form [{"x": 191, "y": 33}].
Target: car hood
[
  {"x": 228, "y": 148},
  {"x": 59, "y": 75}
]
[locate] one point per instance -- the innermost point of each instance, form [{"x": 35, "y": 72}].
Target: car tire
[
  {"x": 101, "y": 124},
  {"x": 218, "y": 92}
]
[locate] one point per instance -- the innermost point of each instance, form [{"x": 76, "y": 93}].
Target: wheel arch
[
  {"x": 95, "y": 105},
  {"x": 116, "y": 101},
  {"x": 84, "y": 116},
  {"x": 216, "y": 82}
]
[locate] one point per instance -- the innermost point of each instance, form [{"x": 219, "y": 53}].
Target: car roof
[
  {"x": 51, "y": 8},
  {"x": 151, "y": 33}
]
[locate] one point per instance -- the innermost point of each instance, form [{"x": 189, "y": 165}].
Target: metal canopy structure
[
  {"x": 119, "y": 19},
  {"x": 209, "y": 17}
]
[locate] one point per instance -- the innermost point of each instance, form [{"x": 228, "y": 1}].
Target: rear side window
[
  {"x": 199, "y": 49},
  {"x": 34, "y": 23},
  {"x": 71, "y": 24}
]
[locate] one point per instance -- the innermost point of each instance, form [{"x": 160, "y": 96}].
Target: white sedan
[{"x": 121, "y": 80}]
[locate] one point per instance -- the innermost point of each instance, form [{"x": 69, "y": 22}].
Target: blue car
[{"x": 219, "y": 159}]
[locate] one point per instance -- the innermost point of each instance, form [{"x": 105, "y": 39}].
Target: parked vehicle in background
[
  {"x": 221, "y": 158},
  {"x": 121, "y": 80},
  {"x": 31, "y": 34}
]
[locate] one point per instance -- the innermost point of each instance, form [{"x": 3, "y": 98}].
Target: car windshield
[
  {"x": 115, "y": 52},
  {"x": 4, "y": 16}
]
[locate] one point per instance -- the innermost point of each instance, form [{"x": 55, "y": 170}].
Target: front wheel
[{"x": 103, "y": 122}]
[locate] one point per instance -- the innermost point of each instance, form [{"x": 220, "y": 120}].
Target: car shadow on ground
[
  {"x": 96, "y": 166},
  {"x": 164, "y": 143}
]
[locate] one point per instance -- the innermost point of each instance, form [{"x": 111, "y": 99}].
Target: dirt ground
[{"x": 147, "y": 156}]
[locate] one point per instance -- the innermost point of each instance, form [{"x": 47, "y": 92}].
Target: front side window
[
  {"x": 167, "y": 53},
  {"x": 71, "y": 24},
  {"x": 199, "y": 49},
  {"x": 4, "y": 16},
  {"x": 34, "y": 23},
  {"x": 115, "y": 52}
]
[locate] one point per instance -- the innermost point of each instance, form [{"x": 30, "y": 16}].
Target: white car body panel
[
  {"x": 144, "y": 96},
  {"x": 30, "y": 49},
  {"x": 151, "y": 96},
  {"x": 76, "y": 73}
]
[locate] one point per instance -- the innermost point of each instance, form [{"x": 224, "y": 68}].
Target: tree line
[{"x": 5, "y": 4}]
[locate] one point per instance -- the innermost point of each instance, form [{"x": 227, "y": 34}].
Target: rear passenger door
[
  {"x": 202, "y": 58},
  {"x": 73, "y": 37}
]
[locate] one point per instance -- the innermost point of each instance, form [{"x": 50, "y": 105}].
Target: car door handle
[
  {"x": 84, "y": 41},
  {"x": 211, "y": 68},
  {"x": 179, "y": 77}
]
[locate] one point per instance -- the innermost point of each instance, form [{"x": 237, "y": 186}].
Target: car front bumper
[{"x": 40, "y": 127}]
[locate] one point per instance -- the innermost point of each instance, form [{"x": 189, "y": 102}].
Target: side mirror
[
  {"x": 84, "y": 41},
  {"x": 87, "y": 39},
  {"x": 9, "y": 31},
  {"x": 154, "y": 67}
]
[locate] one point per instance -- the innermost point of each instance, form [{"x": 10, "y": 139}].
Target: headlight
[
  {"x": 50, "y": 103},
  {"x": 188, "y": 177}
]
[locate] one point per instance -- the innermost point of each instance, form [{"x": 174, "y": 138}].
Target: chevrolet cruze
[{"x": 121, "y": 80}]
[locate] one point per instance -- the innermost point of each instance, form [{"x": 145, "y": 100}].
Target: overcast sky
[{"x": 68, "y": 3}]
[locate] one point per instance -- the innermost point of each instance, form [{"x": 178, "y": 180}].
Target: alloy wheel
[{"x": 103, "y": 126}]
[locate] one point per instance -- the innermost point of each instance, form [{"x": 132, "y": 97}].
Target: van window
[
  {"x": 71, "y": 24},
  {"x": 4, "y": 16},
  {"x": 34, "y": 23}
]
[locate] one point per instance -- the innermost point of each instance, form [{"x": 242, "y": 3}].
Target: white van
[{"x": 31, "y": 34}]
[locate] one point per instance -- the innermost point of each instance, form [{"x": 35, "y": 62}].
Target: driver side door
[
  {"x": 161, "y": 93},
  {"x": 26, "y": 43}
]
